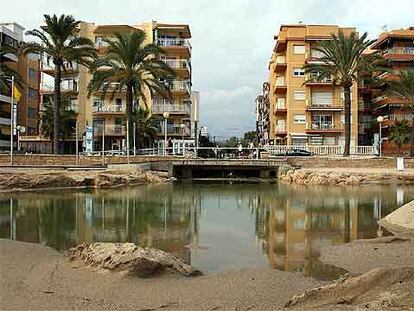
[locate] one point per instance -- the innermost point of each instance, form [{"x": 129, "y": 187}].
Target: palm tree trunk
[
  {"x": 347, "y": 96},
  {"x": 412, "y": 137},
  {"x": 56, "y": 109},
  {"x": 128, "y": 113}
]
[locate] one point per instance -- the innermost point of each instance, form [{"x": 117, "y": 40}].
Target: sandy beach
[{"x": 39, "y": 278}]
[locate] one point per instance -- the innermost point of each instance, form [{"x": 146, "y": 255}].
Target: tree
[
  {"x": 342, "y": 60},
  {"x": 248, "y": 137},
  {"x": 58, "y": 42},
  {"x": 403, "y": 88},
  {"x": 400, "y": 134},
  {"x": 145, "y": 125},
  {"x": 67, "y": 120},
  {"x": 131, "y": 65}
]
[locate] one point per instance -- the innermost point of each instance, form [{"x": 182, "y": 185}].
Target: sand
[{"x": 38, "y": 278}]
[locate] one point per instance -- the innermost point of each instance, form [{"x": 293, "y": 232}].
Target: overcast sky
[{"x": 232, "y": 39}]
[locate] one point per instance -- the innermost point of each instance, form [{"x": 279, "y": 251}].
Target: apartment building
[
  {"x": 262, "y": 115},
  {"x": 97, "y": 114},
  {"x": 26, "y": 111},
  {"x": 397, "y": 47},
  {"x": 306, "y": 113}
]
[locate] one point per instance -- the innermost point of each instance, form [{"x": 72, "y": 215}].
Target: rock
[
  {"x": 401, "y": 221},
  {"x": 136, "y": 260}
]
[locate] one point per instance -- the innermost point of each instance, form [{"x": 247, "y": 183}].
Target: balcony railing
[
  {"x": 160, "y": 106},
  {"x": 108, "y": 108},
  {"x": 174, "y": 42},
  {"x": 174, "y": 129},
  {"x": 315, "y": 80},
  {"x": 400, "y": 50},
  {"x": 335, "y": 104},
  {"x": 178, "y": 64},
  {"x": 180, "y": 86},
  {"x": 65, "y": 86},
  {"x": 280, "y": 82},
  {"x": 280, "y": 129},
  {"x": 110, "y": 129},
  {"x": 49, "y": 66},
  {"x": 322, "y": 126}
]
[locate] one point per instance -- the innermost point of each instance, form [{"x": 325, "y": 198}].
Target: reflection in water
[{"x": 213, "y": 226}]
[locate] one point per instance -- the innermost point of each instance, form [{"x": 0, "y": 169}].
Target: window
[
  {"x": 31, "y": 113},
  {"x": 322, "y": 98},
  {"x": 32, "y": 74},
  {"x": 298, "y": 49},
  {"x": 299, "y": 141},
  {"x": 298, "y": 72},
  {"x": 33, "y": 94},
  {"x": 299, "y": 119},
  {"x": 299, "y": 95}
]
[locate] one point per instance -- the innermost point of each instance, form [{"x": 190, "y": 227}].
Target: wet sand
[{"x": 38, "y": 278}]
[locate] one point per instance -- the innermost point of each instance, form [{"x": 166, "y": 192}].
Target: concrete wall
[{"x": 351, "y": 163}]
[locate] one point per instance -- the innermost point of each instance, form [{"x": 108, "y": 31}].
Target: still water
[{"x": 214, "y": 227}]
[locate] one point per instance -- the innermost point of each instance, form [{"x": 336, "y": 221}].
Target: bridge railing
[{"x": 322, "y": 150}]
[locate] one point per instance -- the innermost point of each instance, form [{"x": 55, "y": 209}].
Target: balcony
[
  {"x": 280, "y": 130},
  {"x": 175, "y": 130},
  {"x": 67, "y": 86},
  {"x": 280, "y": 86},
  {"x": 160, "y": 106},
  {"x": 174, "y": 42},
  {"x": 180, "y": 86},
  {"x": 399, "y": 53},
  {"x": 5, "y": 121},
  {"x": 102, "y": 108},
  {"x": 180, "y": 65},
  {"x": 280, "y": 106},
  {"x": 110, "y": 130},
  {"x": 280, "y": 63},
  {"x": 323, "y": 127},
  {"x": 49, "y": 68},
  {"x": 315, "y": 81},
  {"x": 335, "y": 105}
]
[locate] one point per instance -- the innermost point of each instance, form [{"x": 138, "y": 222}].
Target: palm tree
[
  {"x": 145, "y": 125},
  {"x": 342, "y": 60},
  {"x": 58, "y": 42},
  {"x": 67, "y": 119},
  {"x": 404, "y": 88},
  {"x": 399, "y": 134},
  {"x": 132, "y": 66}
]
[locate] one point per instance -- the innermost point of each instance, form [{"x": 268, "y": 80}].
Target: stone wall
[
  {"x": 322, "y": 162},
  {"x": 332, "y": 178},
  {"x": 69, "y": 160}
]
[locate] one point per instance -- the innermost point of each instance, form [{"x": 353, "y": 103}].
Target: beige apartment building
[
  {"x": 305, "y": 113},
  {"x": 97, "y": 113},
  {"x": 26, "y": 111}
]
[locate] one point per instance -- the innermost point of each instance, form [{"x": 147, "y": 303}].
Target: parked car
[{"x": 298, "y": 153}]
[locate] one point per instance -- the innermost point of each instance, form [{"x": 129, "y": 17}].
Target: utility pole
[
  {"x": 11, "y": 120},
  {"x": 77, "y": 144}
]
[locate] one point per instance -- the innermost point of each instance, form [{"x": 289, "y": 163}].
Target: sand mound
[
  {"x": 378, "y": 289},
  {"x": 401, "y": 221},
  {"x": 139, "y": 261}
]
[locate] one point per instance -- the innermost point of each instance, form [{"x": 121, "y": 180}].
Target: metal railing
[
  {"x": 110, "y": 129},
  {"x": 180, "y": 86},
  {"x": 160, "y": 107},
  {"x": 322, "y": 126},
  {"x": 321, "y": 149},
  {"x": 336, "y": 103},
  {"x": 178, "y": 63},
  {"x": 109, "y": 108},
  {"x": 400, "y": 50},
  {"x": 171, "y": 42}
]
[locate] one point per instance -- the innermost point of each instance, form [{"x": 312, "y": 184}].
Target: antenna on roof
[
  {"x": 385, "y": 28},
  {"x": 300, "y": 22}
]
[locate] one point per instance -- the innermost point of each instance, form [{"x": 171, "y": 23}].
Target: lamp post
[
  {"x": 20, "y": 130},
  {"x": 380, "y": 119},
  {"x": 182, "y": 125},
  {"x": 166, "y": 115}
]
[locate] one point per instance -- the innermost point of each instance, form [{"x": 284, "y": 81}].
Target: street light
[
  {"x": 166, "y": 115},
  {"x": 380, "y": 119},
  {"x": 20, "y": 130},
  {"x": 182, "y": 125}
]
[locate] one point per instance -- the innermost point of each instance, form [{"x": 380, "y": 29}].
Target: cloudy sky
[{"x": 232, "y": 39}]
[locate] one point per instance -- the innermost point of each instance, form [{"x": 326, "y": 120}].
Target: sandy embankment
[
  {"x": 386, "y": 264},
  {"x": 336, "y": 176},
  {"x": 38, "y": 278},
  {"x": 18, "y": 179}
]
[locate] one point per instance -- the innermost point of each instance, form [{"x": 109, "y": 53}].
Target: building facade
[
  {"x": 26, "y": 110},
  {"x": 262, "y": 115},
  {"x": 306, "y": 112},
  {"x": 397, "y": 48},
  {"x": 100, "y": 113}
]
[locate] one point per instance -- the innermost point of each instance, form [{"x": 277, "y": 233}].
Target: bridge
[{"x": 227, "y": 169}]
